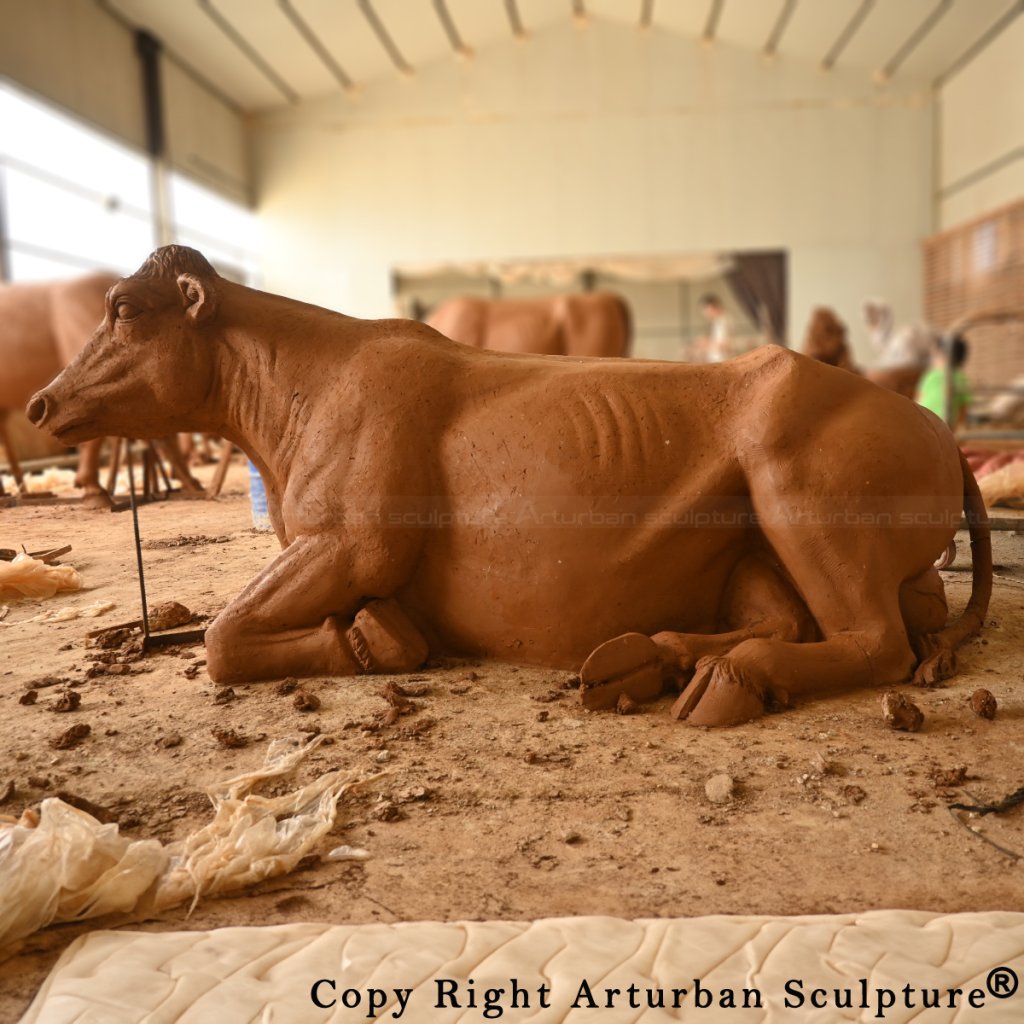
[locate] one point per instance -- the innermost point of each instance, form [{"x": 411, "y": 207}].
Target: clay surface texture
[
  {"x": 753, "y": 531},
  {"x": 592, "y": 324}
]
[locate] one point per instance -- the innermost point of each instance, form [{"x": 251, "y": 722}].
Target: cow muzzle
[{"x": 44, "y": 410}]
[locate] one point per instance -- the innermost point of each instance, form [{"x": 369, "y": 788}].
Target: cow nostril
[{"x": 37, "y": 410}]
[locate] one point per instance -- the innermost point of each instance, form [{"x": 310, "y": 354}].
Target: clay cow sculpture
[
  {"x": 587, "y": 324},
  {"x": 712, "y": 525},
  {"x": 42, "y": 328}
]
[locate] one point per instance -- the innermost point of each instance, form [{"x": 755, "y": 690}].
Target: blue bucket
[{"x": 258, "y": 500}]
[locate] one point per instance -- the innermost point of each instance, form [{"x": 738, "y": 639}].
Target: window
[
  {"x": 73, "y": 200},
  {"x": 223, "y": 231}
]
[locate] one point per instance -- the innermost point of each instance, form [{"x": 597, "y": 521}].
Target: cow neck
[{"x": 254, "y": 388}]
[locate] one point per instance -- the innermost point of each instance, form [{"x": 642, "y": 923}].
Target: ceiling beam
[
  {"x": 247, "y": 49},
  {"x": 646, "y": 13},
  {"x": 451, "y": 30},
  {"x": 849, "y": 31},
  {"x": 997, "y": 28},
  {"x": 771, "y": 47},
  {"x": 384, "y": 37},
  {"x": 711, "y": 25},
  {"x": 913, "y": 41},
  {"x": 316, "y": 44},
  {"x": 515, "y": 22}
]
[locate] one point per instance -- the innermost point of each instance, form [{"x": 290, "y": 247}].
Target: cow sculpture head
[{"x": 150, "y": 364}]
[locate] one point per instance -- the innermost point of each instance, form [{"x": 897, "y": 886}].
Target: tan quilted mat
[{"x": 265, "y": 974}]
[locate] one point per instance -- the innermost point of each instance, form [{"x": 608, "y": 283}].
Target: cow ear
[{"x": 199, "y": 297}]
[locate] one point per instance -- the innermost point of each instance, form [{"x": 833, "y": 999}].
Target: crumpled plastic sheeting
[
  {"x": 26, "y": 576},
  {"x": 70, "y": 867}
]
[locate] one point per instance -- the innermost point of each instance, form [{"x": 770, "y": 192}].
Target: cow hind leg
[
  {"x": 865, "y": 644},
  {"x": 923, "y": 603},
  {"x": 759, "y": 603}
]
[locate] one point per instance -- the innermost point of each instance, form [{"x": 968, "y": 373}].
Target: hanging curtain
[{"x": 758, "y": 280}]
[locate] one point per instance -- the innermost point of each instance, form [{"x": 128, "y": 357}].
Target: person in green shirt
[{"x": 948, "y": 354}]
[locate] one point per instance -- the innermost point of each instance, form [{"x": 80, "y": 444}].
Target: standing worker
[
  {"x": 948, "y": 356},
  {"x": 716, "y": 345}
]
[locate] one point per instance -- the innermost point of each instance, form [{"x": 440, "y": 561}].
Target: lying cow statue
[{"x": 431, "y": 497}]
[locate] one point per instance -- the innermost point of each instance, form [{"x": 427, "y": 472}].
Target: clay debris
[
  {"x": 900, "y": 713},
  {"x": 984, "y": 704},
  {"x": 720, "y": 788},
  {"x": 71, "y": 737},
  {"x": 168, "y": 615}
]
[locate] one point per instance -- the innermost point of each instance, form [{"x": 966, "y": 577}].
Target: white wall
[
  {"x": 603, "y": 140},
  {"x": 981, "y": 123}
]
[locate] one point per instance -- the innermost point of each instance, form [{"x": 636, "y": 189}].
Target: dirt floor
[{"x": 514, "y": 802}]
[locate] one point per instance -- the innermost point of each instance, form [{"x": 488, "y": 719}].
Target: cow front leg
[
  {"x": 12, "y": 458},
  {"x": 307, "y": 614},
  {"x": 87, "y": 476}
]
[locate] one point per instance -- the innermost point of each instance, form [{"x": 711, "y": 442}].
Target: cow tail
[
  {"x": 981, "y": 562},
  {"x": 969, "y": 622}
]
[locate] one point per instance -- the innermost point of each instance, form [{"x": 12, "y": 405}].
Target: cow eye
[{"x": 125, "y": 310}]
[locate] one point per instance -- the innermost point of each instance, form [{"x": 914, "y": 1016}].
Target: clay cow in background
[
  {"x": 434, "y": 498},
  {"x": 826, "y": 340},
  {"x": 583, "y": 324},
  {"x": 42, "y": 328}
]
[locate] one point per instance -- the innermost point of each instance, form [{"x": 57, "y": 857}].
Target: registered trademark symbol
[{"x": 1002, "y": 982}]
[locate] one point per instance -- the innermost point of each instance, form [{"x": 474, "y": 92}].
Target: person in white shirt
[{"x": 716, "y": 345}]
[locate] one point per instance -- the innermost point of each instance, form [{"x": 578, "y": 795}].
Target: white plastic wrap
[{"x": 69, "y": 866}]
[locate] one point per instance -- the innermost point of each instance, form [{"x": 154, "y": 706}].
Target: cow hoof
[
  {"x": 718, "y": 695},
  {"x": 935, "y": 668},
  {"x": 629, "y": 665},
  {"x": 383, "y": 639},
  {"x": 97, "y": 499}
]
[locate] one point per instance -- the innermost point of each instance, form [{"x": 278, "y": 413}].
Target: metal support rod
[{"x": 138, "y": 539}]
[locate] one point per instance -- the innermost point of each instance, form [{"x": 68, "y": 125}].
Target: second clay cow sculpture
[{"x": 756, "y": 531}]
